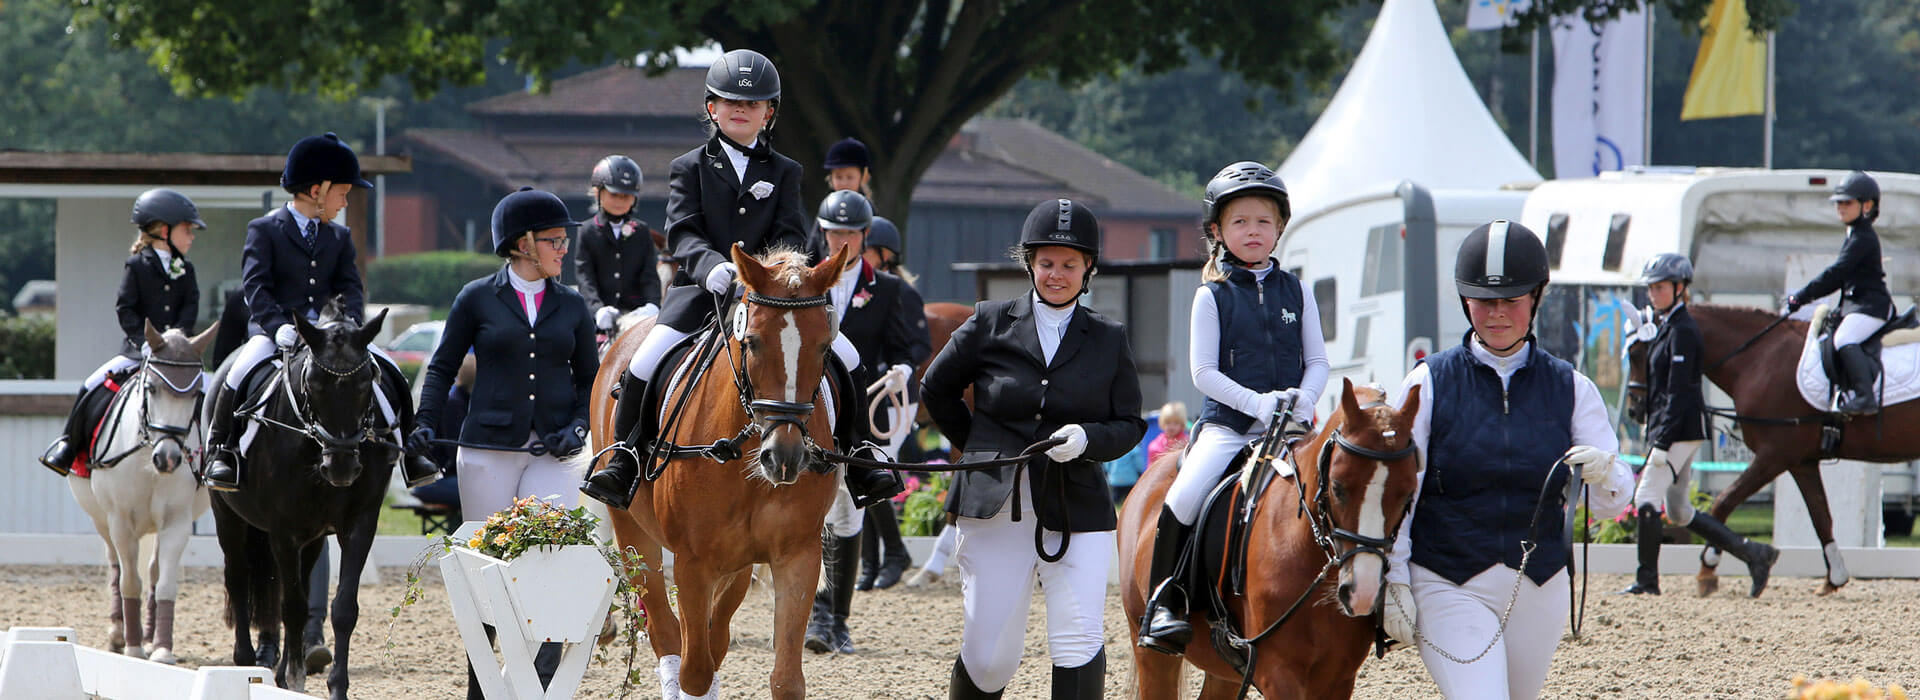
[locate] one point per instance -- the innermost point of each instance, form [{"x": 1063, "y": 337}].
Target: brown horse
[
  {"x": 1777, "y": 424},
  {"x": 1317, "y": 652},
  {"x": 719, "y": 519},
  {"x": 943, "y": 317}
]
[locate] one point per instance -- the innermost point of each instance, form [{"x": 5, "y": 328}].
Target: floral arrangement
[
  {"x": 533, "y": 522},
  {"x": 923, "y": 506},
  {"x": 1620, "y": 528},
  {"x": 1859, "y": 689}
]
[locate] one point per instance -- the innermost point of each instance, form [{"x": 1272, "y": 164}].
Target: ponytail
[{"x": 144, "y": 238}]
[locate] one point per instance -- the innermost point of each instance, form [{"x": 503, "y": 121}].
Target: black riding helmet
[
  {"x": 1238, "y": 180},
  {"x": 1667, "y": 267},
  {"x": 317, "y": 159},
  {"x": 617, "y": 173},
  {"x": 848, "y": 153},
  {"x": 168, "y": 207},
  {"x": 1859, "y": 186},
  {"x": 1499, "y": 260},
  {"x": 845, "y": 210},
  {"x": 524, "y": 211},
  {"x": 745, "y": 75},
  {"x": 1062, "y": 222},
  {"x": 883, "y": 234}
]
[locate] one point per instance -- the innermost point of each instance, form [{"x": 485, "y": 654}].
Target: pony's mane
[
  {"x": 335, "y": 313},
  {"x": 1751, "y": 313},
  {"x": 787, "y": 266}
]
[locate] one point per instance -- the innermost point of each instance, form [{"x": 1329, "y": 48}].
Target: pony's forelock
[{"x": 786, "y": 266}]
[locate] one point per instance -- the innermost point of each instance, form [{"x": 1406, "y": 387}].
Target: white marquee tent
[{"x": 1405, "y": 111}]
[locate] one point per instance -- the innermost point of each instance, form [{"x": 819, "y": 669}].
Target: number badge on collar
[{"x": 740, "y": 321}]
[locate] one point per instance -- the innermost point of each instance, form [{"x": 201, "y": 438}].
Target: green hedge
[
  {"x": 26, "y": 347},
  {"x": 431, "y": 279}
]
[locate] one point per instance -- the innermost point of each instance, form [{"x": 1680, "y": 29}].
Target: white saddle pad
[{"x": 1900, "y": 367}]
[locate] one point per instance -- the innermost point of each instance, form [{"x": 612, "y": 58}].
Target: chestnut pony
[
  {"x": 1301, "y": 528},
  {"x": 767, "y": 506}
]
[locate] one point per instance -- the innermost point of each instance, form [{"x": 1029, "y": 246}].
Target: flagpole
[
  {"x": 1766, "y": 122},
  {"x": 1646, "y": 94},
  {"x": 1533, "y": 103}
]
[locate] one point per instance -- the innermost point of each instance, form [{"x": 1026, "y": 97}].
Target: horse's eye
[
  {"x": 1338, "y": 489},
  {"x": 750, "y": 343}
]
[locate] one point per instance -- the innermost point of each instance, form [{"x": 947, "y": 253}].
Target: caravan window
[
  {"x": 1361, "y": 328},
  {"x": 1382, "y": 273},
  {"x": 1324, "y": 296},
  {"x": 1616, "y": 241},
  {"x": 1556, "y": 238}
]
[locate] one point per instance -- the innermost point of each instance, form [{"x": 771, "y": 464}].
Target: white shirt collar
[
  {"x": 166, "y": 258},
  {"x": 299, "y": 220},
  {"x": 528, "y": 287},
  {"x": 842, "y": 291},
  {"x": 1504, "y": 366},
  {"x": 1049, "y": 317},
  {"x": 738, "y": 158}
]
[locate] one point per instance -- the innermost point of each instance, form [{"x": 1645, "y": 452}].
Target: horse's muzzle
[
  {"x": 1362, "y": 579},
  {"x": 167, "y": 457},
  {"x": 340, "y": 469}
]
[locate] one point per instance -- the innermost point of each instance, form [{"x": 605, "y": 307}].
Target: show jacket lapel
[
  {"x": 1025, "y": 329},
  {"x": 1078, "y": 328},
  {"x": 503, "y": 290},
  {"x": 715, "y": 158}
]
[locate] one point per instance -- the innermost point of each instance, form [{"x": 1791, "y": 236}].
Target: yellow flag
[{"x": 1729, "y": 74}]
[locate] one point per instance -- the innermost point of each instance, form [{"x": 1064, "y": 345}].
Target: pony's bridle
[
  {"x": 177, "y": 434},
  {"x": 767, "y": 414},
  {"x": 1322, "y": 514},
  {"x": 330, "y": 443}
]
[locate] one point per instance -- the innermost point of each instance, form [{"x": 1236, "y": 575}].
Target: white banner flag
[
  {"x": 1599, "y": 94},
  {"x": 1493, "y": 14}
]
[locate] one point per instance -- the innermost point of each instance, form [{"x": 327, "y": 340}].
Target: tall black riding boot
[
  {"x": 59, "y": 455},
  {"x": 884, "y": 526},
  {"x": 1165, "y": 628},
  {"x": 869, "y": 553},
  {"x": 1759, "y": 556},
  {"x": 1087, "y": 681},
  {"x": 1859, "y": 399},
  {"x": 221, "y": 461},
  {"x": 615, "y": 484},
  {"x": 826, "y": 627},
  {"x": 417, "y": 468},
  {"x": 961, "y": 686},
  {"x": 1648, "y": 530}
]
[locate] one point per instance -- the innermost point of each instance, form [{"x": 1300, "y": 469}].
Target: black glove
[
  {"x": 421, "y": 441},
  {"x": 1794, "y": 303},
  {"x": 568, "y": 441}
]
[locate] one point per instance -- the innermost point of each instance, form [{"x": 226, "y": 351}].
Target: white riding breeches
[
  {"x": 1462, "y": 619},
  {"x": 117, "y": 363},
  {"x": 999, "y": 567},
  {"x": 491, "y": 479},
  {"x": 1855, "y": 328},
  {"x": 1671, "y": 484},
  {"x": 1200, "y": 468},
  {"x": 844, "y": 520}
]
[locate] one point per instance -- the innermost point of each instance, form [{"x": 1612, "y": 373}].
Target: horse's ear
[
  {"x": 752, "y": 273},
  {"x": 155, "y": 340},
  {"x": 372, "y": 329},
  {"x": 1403, "y": 420},
  {"x": 1348, "y": 404},
  {"x": 313, "y": 337},
  {"x": 200, "y": 342},
  {"x": 824, "y": 274}
]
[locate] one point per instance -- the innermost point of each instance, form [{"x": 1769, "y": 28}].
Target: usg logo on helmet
[
  {"x": 746, "y": 83},
  {"x": 1062, "y": 236}
]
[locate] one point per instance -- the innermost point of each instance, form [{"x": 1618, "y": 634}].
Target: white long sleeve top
[
  {"x": 1203, "y": 352},
  {"x": 1591, "y": 427}
]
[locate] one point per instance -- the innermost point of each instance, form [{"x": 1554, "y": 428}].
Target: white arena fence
[{"x": 43, "y": 662}]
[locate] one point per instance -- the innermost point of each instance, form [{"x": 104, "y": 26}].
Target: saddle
[
  {"x": 97, "y": 407},
  {"x": 258, "y": 387},
  {"x": 1895, "y": 332},
  {"x": 1214, "y": 566}
]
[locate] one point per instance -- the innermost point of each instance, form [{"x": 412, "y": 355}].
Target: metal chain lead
[{"x": 1420, "y": 636}]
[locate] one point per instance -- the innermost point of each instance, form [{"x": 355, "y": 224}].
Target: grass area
[{"x": 1756, "y": 521}]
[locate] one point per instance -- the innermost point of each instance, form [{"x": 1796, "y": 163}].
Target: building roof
[
  {"x": 53, "y": 167},
  {"x": 994, "y": 162},
  {"x": 1405, "y": 111},
  {"x": 1123, "y": 189},
  {"x": 612, "y": 91}
]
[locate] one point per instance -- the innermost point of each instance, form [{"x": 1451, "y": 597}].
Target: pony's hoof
[
  {"x": 923, "y": 578},
  {"x": 1706, "y": 585},
  {"x": 1826, "y": 588},
  {"x": 318, "y": 656},
  {"x": 116, "y": 638},
  {"x": 163, "y": 655},
  {"x": 608, "y": 631}
]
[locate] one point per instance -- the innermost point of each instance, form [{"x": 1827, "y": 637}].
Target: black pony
[{"x": 318, "y": 464}]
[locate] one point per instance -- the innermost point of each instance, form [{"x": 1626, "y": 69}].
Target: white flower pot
[{"x": 548, "y": 594}]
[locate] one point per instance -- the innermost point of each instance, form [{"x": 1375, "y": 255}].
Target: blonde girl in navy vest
[
  {"x": 1498, "y": 417},
  {"x": 1255, "y": 344},
  {"x": 158, "y": 287}
]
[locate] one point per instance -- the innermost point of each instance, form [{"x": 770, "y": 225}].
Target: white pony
[{"x": 138, "y": 487}]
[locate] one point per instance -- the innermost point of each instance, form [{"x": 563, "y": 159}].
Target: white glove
[
  {"x": 285, "y": 336},
  {"x": 720, "y": 278},
  {"x": 1658, "y": 458},
  {"x": 1070, "y": 450},
  {"x": 897, "y": 378},
  {"x": 1397, "y": 615},
  {"x": 646, "y": 310},
  {"x": 1593, "y": 463},
  {"x": 1302, "y": 412},
  {"x": 1266, "y": 405},
  {"x": 604, "y": 318}
]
